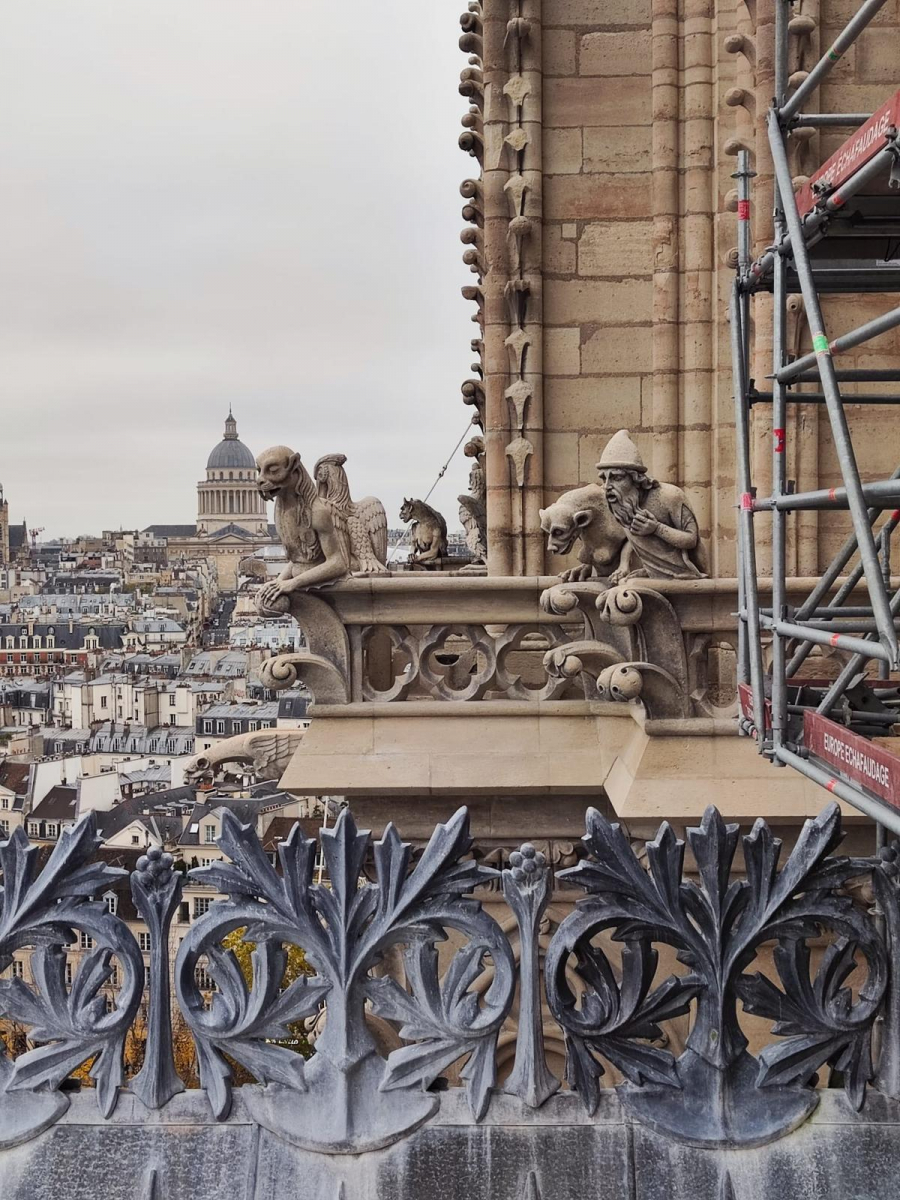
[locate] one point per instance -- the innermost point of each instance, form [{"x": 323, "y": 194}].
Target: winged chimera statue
[{"x": 325, "y": 539}]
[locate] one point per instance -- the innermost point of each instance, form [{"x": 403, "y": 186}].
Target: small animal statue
[
  {"x": 253, "y": 568},
  {"x": 584, "y": 515},
  {"x": 361, "y": 523},
  {"x": 472, "y": 513},
  {"x": 429, "y": 532}
]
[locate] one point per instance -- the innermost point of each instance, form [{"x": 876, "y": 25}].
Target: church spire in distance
[{"x": 231, "y": 426}]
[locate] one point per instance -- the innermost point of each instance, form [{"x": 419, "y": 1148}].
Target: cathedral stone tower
[{"x": 228, "y": 495}]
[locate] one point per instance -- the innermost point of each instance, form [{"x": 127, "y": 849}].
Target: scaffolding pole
[{"x": 836, "y": 206}]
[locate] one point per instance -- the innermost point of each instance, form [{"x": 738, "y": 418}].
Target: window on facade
[
  {"x": 144, "y": 942},
  {"x": 112, "y": 903},
  {"x": 205, "y": 981},
  {"x": 4, "y": 828},
  {"x": 220, "y": 726},
  {"x": 70, "y": 971},
  {"x": 6, "y": 801},
  {"x": 172, "y": 699},
  {"x": 34, "y": 829},
  {"x": 52, "y": 829},
  {"x": 207, "y": 726},
  {"x": 135, "y": 839},
  {"x": 201, "y": 905},
  {"x": 253, "y": 726},
  {"x": 87, "y": 942},
  {"x": 209, "y": 834},
  {"x": 103, "y": 701},
  {"x": 18, "y": 969}
]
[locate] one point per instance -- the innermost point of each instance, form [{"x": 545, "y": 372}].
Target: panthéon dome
[{"x": 231, "y": 451}]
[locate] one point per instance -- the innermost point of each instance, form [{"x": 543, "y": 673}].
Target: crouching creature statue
[
  {"x": 326, "y": 537},
  {"x": 659, "y": 525},
  {"x": 584, "y": 515},
  {"x": 429, "y": 532},
  {"x": 316, "y": 554}
]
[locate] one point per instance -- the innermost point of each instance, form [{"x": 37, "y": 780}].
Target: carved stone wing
[
  {"x": 341, "y": 528},
  {"x": 373, "y": 519},
  {"x": 472, "y": 517}
]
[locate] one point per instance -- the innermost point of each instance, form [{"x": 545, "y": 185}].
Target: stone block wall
[{"x": 643, "y": 107}]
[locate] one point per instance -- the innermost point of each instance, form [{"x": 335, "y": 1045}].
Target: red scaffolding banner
[
  {"x": 853, "y": 154},
  {"x": 854, "y": 758}
]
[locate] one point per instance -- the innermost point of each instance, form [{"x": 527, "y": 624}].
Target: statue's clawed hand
[
  {"x": 644, "y": 523},
  {"x": 577, "y": 574}
]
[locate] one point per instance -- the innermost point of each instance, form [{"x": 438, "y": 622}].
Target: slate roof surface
[
  {"x": 58, "y": 805},
  {"x": 14, "y": 775}
]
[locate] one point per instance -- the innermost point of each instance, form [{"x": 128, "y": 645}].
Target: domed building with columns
[
  {"x": 232, "y": 523},
  {"x": 228, "y": 494}
]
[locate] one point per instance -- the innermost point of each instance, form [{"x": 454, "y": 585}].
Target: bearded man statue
[{"x": 663, "y": 537}]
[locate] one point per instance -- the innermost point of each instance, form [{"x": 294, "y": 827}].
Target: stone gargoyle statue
[
  {"x": 268, "y": 751},
  {"x": 583, "y": 515},
  {"x": 629, "y": 524},
  {"x": 326, "y": 537},
  {"x": 662, "y": 537},
  {"x": 472, "y": 507},
  {"x": 428, "y": 530},
  {"x": 633, "y": 646}
]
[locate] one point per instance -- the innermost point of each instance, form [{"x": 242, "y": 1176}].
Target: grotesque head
[
  {"x": 622, "y": 470},
  {"x": 407, "y": 511},
  {"x": 275, "y": 469},
  {"x": 625, "y": 491},
  {"x": 331, "y": 478},
  {"x": 562, "y": 526}
]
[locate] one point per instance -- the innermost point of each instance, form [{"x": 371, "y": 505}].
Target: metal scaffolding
[{"x": 829, "y": 237}]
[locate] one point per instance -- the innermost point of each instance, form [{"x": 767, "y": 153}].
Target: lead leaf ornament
[
  {"x": 71, "y": 1024},
  {"x": 346, "y": 1099},
  {"x": 715, "y": 1093}
]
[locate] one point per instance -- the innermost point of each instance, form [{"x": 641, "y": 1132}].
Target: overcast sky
[{"x": 214, "y": 202}]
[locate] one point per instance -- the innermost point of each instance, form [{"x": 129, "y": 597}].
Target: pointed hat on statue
[{"x": 621, "y": 453}]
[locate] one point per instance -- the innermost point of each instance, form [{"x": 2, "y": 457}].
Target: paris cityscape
[{"x": 449, "y": 636}]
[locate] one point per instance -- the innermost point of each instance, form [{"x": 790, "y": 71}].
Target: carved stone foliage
[
  {"x": 471, "y": 141},
  {"x": 715, "y": 1093},
  {"x": 348, "y": 1099},
  {"x": 633, "y": 646},
  {"x": 371, "y": 932}
]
